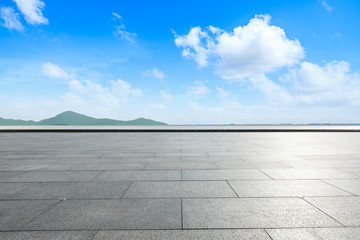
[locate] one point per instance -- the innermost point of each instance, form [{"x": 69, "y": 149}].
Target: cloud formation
[
  {"x": 120, "y": 29},
  {"x": 123, "y": 90},
  {"x": 257, "y": 47},
  {"x": 222, "y": 93},
  {"x": 273, "y": 92},
  {"x": 98, "y": 99},
  {"x": 89, "y": 93},
  {"x": 194, "y": 46},
  {"x": 32, "y": 11},
  {"x": 54, "y": 71},
  {"x": 253, "y": 51},
  {"x": 153, "y": 73},
  {"x": 198, "y": 88},
  {"x": 10, "y": 19},
  {"x": 326, "y": 5},
  {"x": 333, "y": 83}
]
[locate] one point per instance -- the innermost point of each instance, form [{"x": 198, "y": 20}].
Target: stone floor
[{"x": 180, "y": 185}]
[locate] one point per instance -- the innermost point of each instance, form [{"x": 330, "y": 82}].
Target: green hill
[
  {"x": 13, "y": 122},
  {"x": 73, "y": 118}
]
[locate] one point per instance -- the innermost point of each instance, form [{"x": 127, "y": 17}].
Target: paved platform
[{"x": 180, "y": 185}]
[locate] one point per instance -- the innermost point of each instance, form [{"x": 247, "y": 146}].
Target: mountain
[
  {"x": 13, "y": 122},
  {"x": 73, "y": 118}
]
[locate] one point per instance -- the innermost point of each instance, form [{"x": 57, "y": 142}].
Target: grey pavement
[{"x": 178, "y": 185}]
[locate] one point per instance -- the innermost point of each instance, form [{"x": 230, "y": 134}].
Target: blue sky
[{"x": 182, "y": 62}]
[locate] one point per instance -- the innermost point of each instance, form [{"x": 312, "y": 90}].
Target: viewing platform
[{"x": 180, "y": 182}]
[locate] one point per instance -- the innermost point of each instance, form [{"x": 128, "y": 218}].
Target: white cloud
[
  {"x": 326, "y": 5},
  {"x": 158, "y": 74},
  {"x": 198, "y": 88},
  {"x": 85, "y": 97},
  {"x": 312, "y": 77},
  {"x": 333, "y": 83},
  {"x": 255, "y": 48},
  {"x": 97, "y": 98},
  {"x": 10, "y": 19},
  {"x": 32, "y": 11},
  {"x": 222, "y": 93},
  {"x": 54, "y": 71},
  {"x": 117, "y": 16},
  {"x": 197, "y": 45},
  {"x": 166, "y": 96},
  {"x": 248, "y": 52},
  {"x": 258, "y": 48},
  {"x": 120, "y": 29},
  {"x": 120, "y": 32},
  {"x": 274, "y": 93},
  {"x": 123, "y": 90},
  {"x": 90, "y": 93},
  {"x": 153, "y": 73}
]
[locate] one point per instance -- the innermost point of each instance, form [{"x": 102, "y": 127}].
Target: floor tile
[
  {"x": 344, "y": 209},
  {"x": 350, "y": 185},
  {"x": 241, "y": 234},
  {"x": 315, "y": 234},
  {"x": 181, "y": 165},
  {"x": 111, "y": 214},
  {"x": 68, "y": 176},
  {"x": 179, "y": 189},
  {"x": 307, "y": 173},
  {"x": 252, "y": 213},
  {"x": 353, "y": 171},
  {"x": 236, "y": 174},
  {"x": 9, "y": 189},
  {"x": 73, "y": 190},
  {"x": 285, "y": 188},
  {"x": 139, "y": 176},
  {"x": 250, "y": 165},
  {"x": 5, "y": 176},
  {"x": 15, "y": 214},
  {"x": 47, "y": 235}
]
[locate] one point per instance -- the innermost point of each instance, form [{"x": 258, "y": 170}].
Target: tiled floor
[{"x": 217, "y": 185}]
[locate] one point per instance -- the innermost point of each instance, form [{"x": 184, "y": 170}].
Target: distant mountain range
[{"x": 73, "y": 118}]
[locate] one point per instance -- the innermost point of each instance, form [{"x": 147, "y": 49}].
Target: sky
[{"x": 182, "y": 62}]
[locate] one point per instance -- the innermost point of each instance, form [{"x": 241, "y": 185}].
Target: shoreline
[{"x": 188, "y": 128}]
